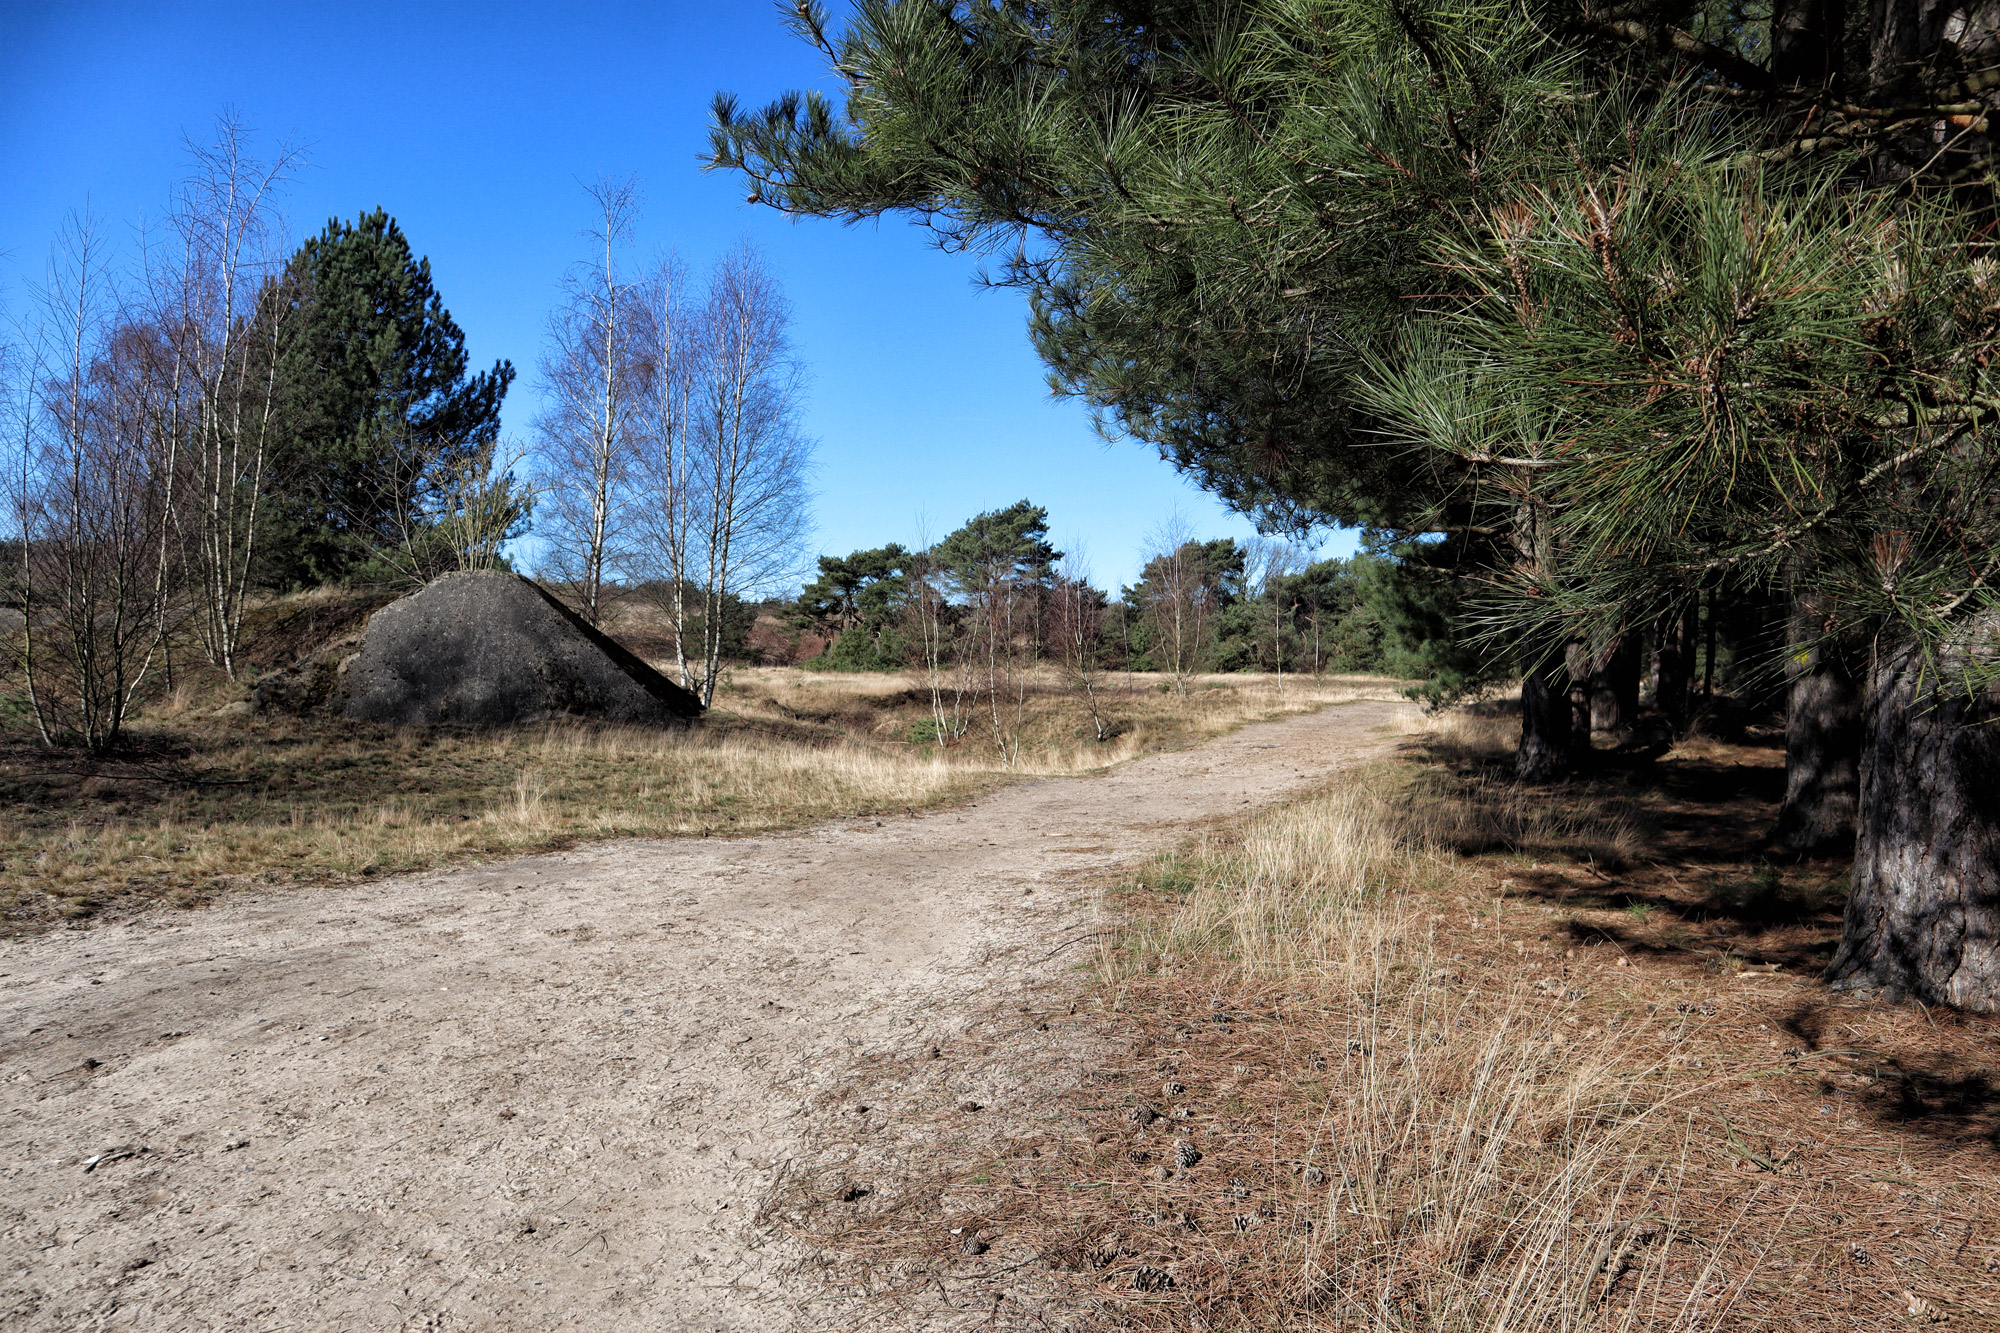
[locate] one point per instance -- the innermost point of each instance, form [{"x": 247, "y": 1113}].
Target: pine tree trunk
[
  {"x": 1614, "y": 688},
  {"x": 1822, "y": 746},
  {"x": 1673, "y": 667},
  {"x": 1806, "y": 41},
  {"x": 1546, "y": 731},
  {"x": 1923, "y": 916},
  {"x": 1579, "y": 665}
]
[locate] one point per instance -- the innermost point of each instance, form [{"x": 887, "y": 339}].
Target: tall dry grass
[{"x": 1456, "y": 1150}]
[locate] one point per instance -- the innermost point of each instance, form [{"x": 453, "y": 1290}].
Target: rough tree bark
[
  {"x": 1547, "y": 733},
  {"x": 1822, "y": 745},
  {"x": 1614, "y": 687},
  {"x": 1923, "y": 917},
  {"x": 1673, "y": 667},
  {"x": 1806, "y": 40},
  {"x": 1580, "y": 664}
]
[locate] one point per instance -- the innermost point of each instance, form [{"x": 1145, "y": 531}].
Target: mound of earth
[{"x": 480, "y": 649}]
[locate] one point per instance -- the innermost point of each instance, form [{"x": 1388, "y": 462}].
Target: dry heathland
[
  {"x": 1420, "y": 1051},
  {"x": 197, "y": 801},
  {"x": 1431, "y": 1052}
]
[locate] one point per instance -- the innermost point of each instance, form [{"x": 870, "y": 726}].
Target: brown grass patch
[{"x": 197, "y": 802}]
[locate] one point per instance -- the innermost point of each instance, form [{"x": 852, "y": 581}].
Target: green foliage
[
  {"x": 739, "y": 617},
  {"x": 1612, "y": 319},
  {"x": 1228, "y": 203},
  {"x": 1415, "y": 601},
  {"x": 864, "y": 588},
  {"x": 378, "y": 424},
  {"x": 859, "y": 598},
  {"x": 1002, "y": 548},
  {"x": 861, "y": 648}
]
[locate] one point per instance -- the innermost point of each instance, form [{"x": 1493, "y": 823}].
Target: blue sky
[{"x": 475, "y": 126}]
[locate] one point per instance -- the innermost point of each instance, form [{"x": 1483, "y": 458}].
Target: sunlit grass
[{"x": 278, "y": 800}]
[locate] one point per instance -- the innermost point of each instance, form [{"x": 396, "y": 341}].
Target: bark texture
[
  {"x": 1806, "y": 41},
  {"x": 1673, "y": 667},
  {"x": 1614, "y": 688},
  {"x": 1822, "y": 748},
  {"x": 1580, "y": 665},
  {"x": 1546, "y": 731},
  {"x": 1923, "y": 917}
]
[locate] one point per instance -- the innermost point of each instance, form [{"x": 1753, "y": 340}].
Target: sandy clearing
[{"x": 541, "y": 1094}]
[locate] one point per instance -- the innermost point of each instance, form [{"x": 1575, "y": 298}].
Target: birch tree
[
  {"x": 934, "y": 627},
  {"x": 212, "y": 290},
  {"x": 592, "y": 383},
  {"x": 91, "y": 494},
  {"x": 1272, "y": 563},
  {"x": 749, "y": 477},
  {"x": 1179, "y": 600},
  {"x": 1079, "y": 633},
  {"x": 664, "y": 474}
]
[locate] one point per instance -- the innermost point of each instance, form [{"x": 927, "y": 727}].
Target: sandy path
[{"x": 536, "y": 1095}]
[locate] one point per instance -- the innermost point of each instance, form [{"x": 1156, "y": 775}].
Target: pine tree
[
  {"x": 378, "y": 418},
  {"x": 1500, "y": 271},
  {"x": 859, "y": 599}
]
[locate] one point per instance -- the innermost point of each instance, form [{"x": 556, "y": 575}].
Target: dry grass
[
  {"x": 1141, "y": 713},
  {"x": 1458, "y": 1150},
  {"x": 1442, "y": 1072},
  {"x": 200, "y": 803}
]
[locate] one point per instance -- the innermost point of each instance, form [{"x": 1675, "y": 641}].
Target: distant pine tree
[{"x": 375, "y": 409}]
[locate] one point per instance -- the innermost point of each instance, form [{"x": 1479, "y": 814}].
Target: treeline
[{"x": 997, "y": 588}]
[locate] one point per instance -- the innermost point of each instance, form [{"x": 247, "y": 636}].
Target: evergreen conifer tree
[
  {"x": 1498, "y": 271},
  {"x": 377, "y": 416}
]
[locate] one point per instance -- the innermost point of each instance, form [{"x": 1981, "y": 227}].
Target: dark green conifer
[{"x": 376, "y": 413}]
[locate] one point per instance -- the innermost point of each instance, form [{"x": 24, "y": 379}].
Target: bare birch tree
[
  {"x": 1180, "y": 601},
  {"x": 1079, "y": 632},
  {"x": 933, "y": 624},
  {"x": 664, "y": 460},
  {"x": 1270, "y": 564},
  {"x": 212, "y": 297},
  {"x": 592, "y": 372},
  {"x": 751, "y": 470},
  {"x": 91, "y": 495}
]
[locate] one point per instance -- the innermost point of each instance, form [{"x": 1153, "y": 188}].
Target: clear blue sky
[{"x": 475, "y": 124}]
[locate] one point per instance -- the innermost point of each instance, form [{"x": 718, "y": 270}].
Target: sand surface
[{"x": 540, "y": 1094}]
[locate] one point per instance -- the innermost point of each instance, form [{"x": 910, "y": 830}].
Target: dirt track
[{"x": 534, "y": 1095}]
